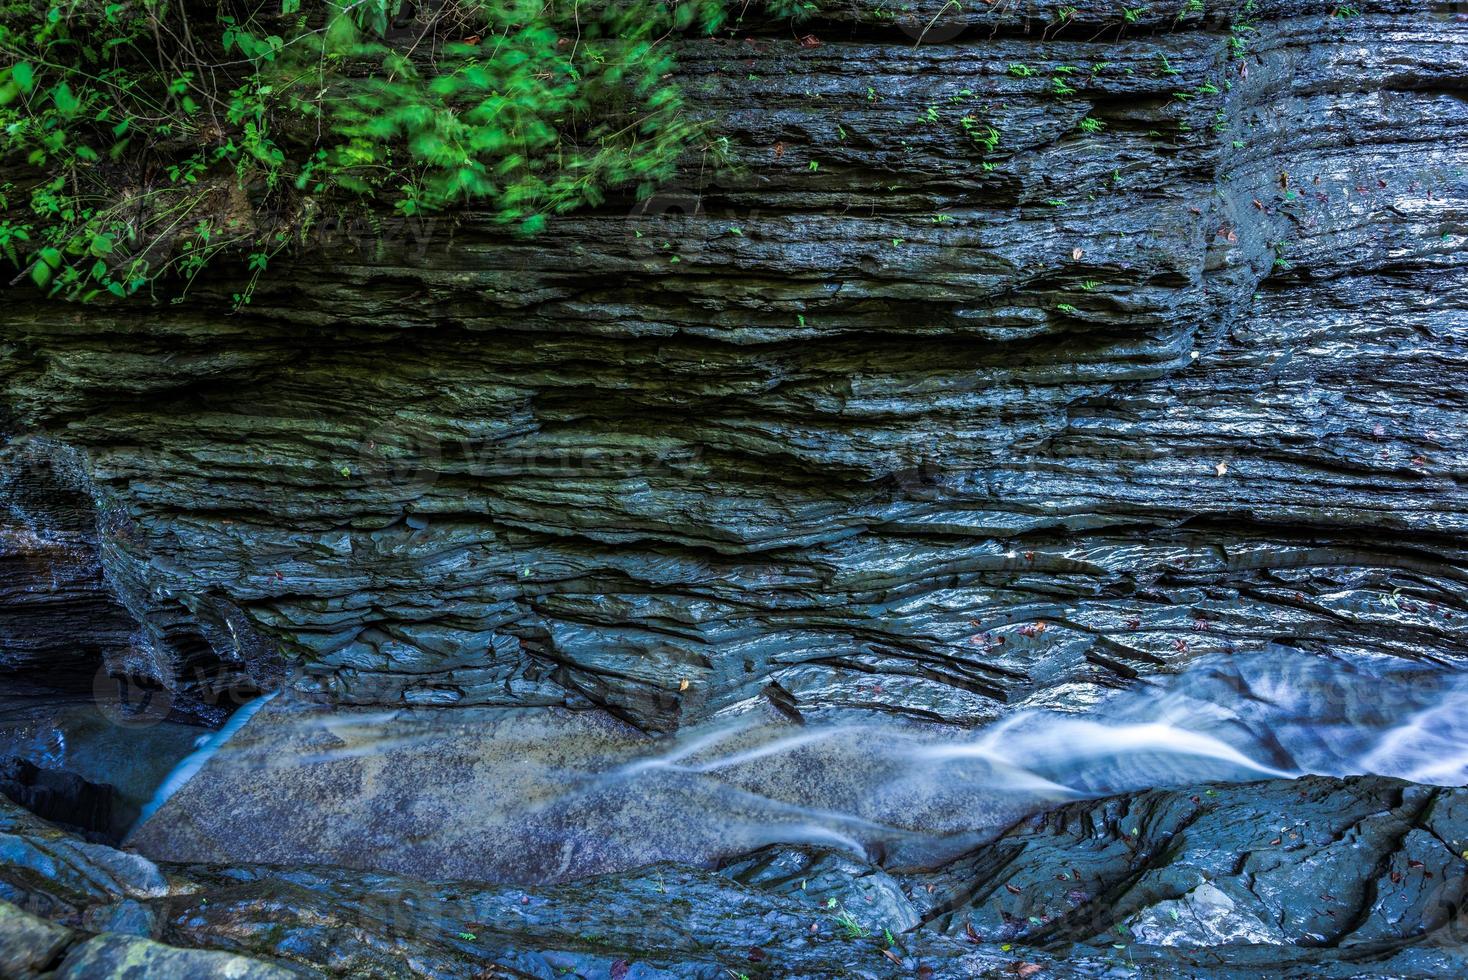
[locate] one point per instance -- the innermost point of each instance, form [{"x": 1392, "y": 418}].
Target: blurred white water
[{"x": 540, "y": 794}]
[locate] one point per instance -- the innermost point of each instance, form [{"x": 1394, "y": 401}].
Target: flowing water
[
  {"x": 70, "y": 732},
  {"x": 535, "y": 795}
]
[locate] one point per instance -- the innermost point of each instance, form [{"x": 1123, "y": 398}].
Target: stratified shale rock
[
  {"x": 936, "y": 403},
  {"x": 63, "y": 798},
  {"x": 1365, "y": 879}
]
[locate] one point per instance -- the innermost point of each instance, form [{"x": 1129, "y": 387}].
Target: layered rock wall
[{"x": 934, "y": 398}]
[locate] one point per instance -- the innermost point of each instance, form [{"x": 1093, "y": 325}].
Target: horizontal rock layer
[{"x": 938, "y": 401}]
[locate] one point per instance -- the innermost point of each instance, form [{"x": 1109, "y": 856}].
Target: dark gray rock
[
  {"x": 29, "y": 944},
  {"x": 1363, "y": 877},
  {"x": 883, "y": 419},
  {"x": 843, "y": 457},
  {"x": 63, "y": 798},
  {"x": 115, "y": 957}
]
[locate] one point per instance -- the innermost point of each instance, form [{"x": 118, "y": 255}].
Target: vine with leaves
[{"x": 142, "y": 140}]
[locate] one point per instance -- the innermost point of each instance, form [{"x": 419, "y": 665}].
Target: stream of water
[{"x": 537, "y": 795}]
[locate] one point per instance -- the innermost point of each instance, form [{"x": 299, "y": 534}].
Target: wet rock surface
[
  {"x": 1169, "y": 388},
  {"x": 1364, "y": 878},
  {"x": 944, "y": 405},
  {"x": 62, "y": 797},
  {"x": 546, "y": 795}
]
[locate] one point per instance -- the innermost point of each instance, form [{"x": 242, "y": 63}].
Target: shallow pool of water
[{"x": 72, "y": 732}]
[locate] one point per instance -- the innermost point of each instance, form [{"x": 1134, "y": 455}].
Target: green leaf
[
  {"x": 24, "y": 75},
  {"x": 65, "y": 101}
]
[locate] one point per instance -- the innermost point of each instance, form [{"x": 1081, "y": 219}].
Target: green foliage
[{"x": 146, "y": 138}]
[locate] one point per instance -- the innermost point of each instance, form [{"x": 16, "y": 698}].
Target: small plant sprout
[
  {"x": 982, "y": 134},
  {"x": 814, "y": 166},
  {"x": 1059, "y": 86},
  {"x": 853, "y": 928},
  {"x": 1021, "y": 71},
  {"x": 736, "y": 230},
  {"x": 1066, "y": 308},
  {"x": 1091, "y": 124},
  {"x": 1089, "y": 285}
]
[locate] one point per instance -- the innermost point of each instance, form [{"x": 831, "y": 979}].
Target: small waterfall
[{"x": 195, "y": 760}]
